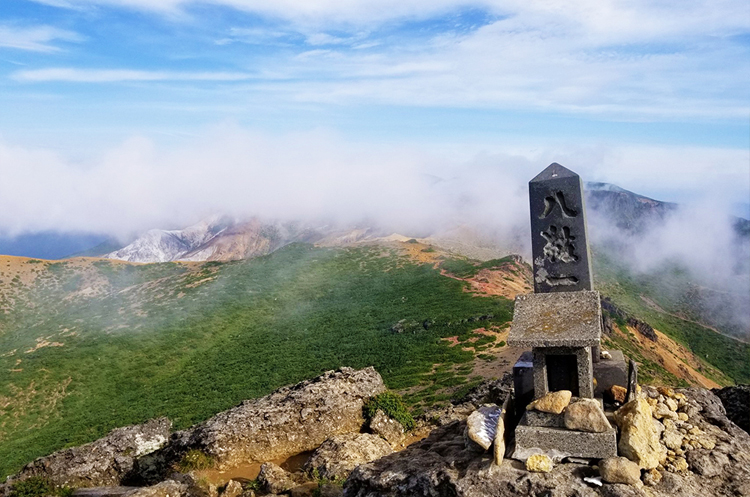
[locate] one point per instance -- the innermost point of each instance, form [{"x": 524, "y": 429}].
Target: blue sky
[{"x": 652, "y": 95}]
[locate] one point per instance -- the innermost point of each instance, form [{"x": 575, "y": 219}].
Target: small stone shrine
[{"x": 561, "y": 323}]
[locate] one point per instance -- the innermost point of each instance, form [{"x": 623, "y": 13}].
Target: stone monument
[{"x": 561, "y": 323}]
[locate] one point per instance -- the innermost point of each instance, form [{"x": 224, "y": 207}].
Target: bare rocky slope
[{"x": 326, "y": 414}]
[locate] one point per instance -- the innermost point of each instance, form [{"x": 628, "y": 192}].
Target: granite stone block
[
  {"x": 559, "y": 443},
  {"x": 559, "y": 238},
  {"x": 570, "y": 319}
]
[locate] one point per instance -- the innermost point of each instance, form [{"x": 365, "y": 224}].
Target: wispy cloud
[
  {"x": 35, "y": 38},
  {"x": 122, "y": 75}
]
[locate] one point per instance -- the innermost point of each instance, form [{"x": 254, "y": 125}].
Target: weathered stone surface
[
  {"x": 546, "y": 419},
  {"x": 232, "y": 489},
  {"x": 560, "y": 443},
  {"x": 610, "y": 371},
  {"x": 618, "y": 393},
  {"x": 291, "y": 420},
  {"x": 553, "y": 402},
  {"x": 108, "y": 461},
  {"x": 570, "y": 319},
  {"x": 388, "y": 428},
  {"x": 736, "y": 401},
  {"x": 639, "y": 440},
  {"x": 586, "y": 415},
  {"x": 340, "y": 454},
  {"x": 273, "y": 479},
  {"x": 168, "y": 488},
  {"x": 539, "y": 463},
  {"x": 481, "y": 425},
  {"x": 707, "y": 463},
  {"x": 620, "y": 470}
]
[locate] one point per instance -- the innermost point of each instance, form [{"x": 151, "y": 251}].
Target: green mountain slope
[
  {"x": 88, "y": 345},
  {"x": 659, "y": 299}
]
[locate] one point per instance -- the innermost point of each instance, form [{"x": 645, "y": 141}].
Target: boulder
[
  {"x": 388, "y": 428},
  {"x": 639, "y": 440},
  {"x": 340, "y": 454},
  {"x": 481, "y": 425},
  {"x": 273, "y": 479},
  {"x": 539, "y": 463},
  {"x": 586, "y": 415},
  {"x": 553, "y": 402},
  {"x": 108, "y": 461},
  {"x": 620, "y": 470},
  {"x": 289, "y": 421}
]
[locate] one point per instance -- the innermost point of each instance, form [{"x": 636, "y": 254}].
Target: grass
[
  {"x": 466, "y": 268},
  {"x": 186, "y": 342},
  {"x": 392, "y": 405}
]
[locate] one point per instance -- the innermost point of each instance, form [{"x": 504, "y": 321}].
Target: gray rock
[
  {"x": 388, "y": 428},
  {"x": 289, "y": 421},
  {"x": 273, "y": 479},
  {"x": 109, "y": 461},
  {"x": 707, "y": 463},
  {"x": 340, "y": 454}
]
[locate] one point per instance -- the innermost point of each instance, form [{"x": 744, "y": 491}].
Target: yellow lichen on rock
[{"x": 539, "y": 463}]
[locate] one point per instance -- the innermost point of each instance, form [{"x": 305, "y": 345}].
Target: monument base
[{"x": 559, "y": 443}]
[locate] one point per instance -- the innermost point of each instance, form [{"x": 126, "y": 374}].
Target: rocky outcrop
[
  {"x": 736, "y": 401},
  {"x": 441, "y": 465},
  {"x": 108, "y": 461},
  {"x": 643, "y": 328},
  {"x": 340, "y": 454},
  {"x": 289, "y": 421}
]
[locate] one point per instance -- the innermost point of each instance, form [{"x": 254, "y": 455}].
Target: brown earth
[{"x": 673, "y": 357}]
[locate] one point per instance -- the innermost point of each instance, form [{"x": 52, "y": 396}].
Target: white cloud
[
  {"x": 35, "y": 38},
  {"x": 140, "y": 185},
  {"x": 120, "y": 75}
]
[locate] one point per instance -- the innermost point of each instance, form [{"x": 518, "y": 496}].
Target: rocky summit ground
[{"x": 700, "y": 450}]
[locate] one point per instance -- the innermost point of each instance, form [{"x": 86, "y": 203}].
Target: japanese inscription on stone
[{"x": 558, "y": 232}]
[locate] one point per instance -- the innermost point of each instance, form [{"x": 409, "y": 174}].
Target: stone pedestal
[{"x": 559, "y": 443}]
